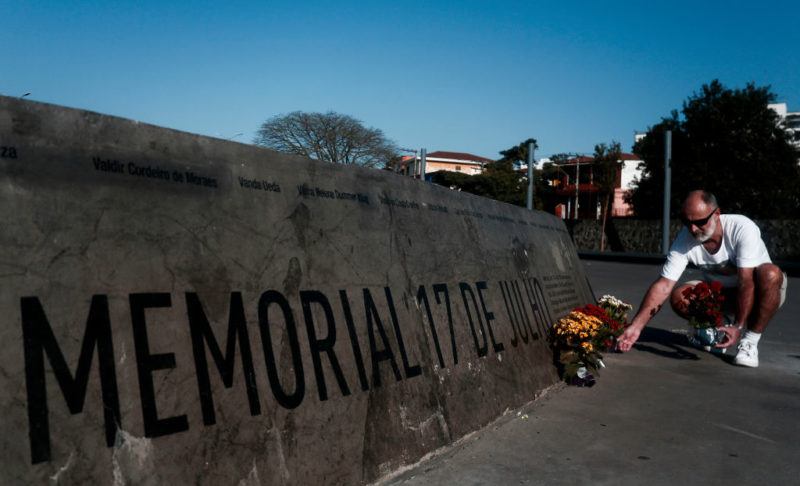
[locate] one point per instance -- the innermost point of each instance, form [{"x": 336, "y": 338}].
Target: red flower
[{"x": 704, "y": 304}]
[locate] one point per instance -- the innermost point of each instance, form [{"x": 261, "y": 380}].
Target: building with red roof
[
  {"x": 442, "y": 160},
  {"x": 583, "y": 201}
]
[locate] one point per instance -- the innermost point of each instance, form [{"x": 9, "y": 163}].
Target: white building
[
  {"x": 440, "y": 160},
  {"x": 790, "y": 120}
]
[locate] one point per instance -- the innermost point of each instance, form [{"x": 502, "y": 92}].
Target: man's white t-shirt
[{"x": 742, "y": 247}]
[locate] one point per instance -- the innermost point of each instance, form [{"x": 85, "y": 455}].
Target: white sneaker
[{"x": 747, "y": 355}]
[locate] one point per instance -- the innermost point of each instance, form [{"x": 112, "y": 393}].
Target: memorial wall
[{"x": 177, "y": 308}]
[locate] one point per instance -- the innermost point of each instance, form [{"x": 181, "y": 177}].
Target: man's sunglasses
[{"x": 697, "y": 222}]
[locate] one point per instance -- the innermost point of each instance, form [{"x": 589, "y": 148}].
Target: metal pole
[
  {"x": 577, "y": 182},
  {"x": 530, "y": 175},
  {"x": 422, "y": 164},
  {"x": 667, "y": 191},
  {"x": 569, "y": 203}
]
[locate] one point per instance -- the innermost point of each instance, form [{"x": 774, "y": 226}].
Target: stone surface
[
  {"x": 183, "y": 309},
  {"x": 644, "y": 236}
]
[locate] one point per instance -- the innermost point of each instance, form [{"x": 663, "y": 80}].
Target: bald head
[
  {"x": 700, "y": 215},
  {"x": 700, "y": 199}
]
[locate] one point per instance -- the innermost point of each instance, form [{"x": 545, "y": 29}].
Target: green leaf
[
  {"x": 723, "y": 138},
  {"x": 569, "y": 357},
  {"x": 572, "y": 369}
]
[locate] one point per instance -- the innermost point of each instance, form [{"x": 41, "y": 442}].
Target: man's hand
[
  {"x": 653, "y": 299},
  {"x": 626, "y": 340},
  {"x": 732, "y": 334}
]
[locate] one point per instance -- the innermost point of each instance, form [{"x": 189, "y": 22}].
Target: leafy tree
[
  {"x": 606, "y": 166},
  {"x": 394, "y": 163},
  {"x": 649, "y": 187},
  {"x": 544, "y": 196},
  {"x": 727, "y": 142},
  {"x": 454, "y": 180},
  {"x": 518, "y": 154},
  {"x": 498, "y": 181},
  {"x": 501, "y": 182},
  {"x": 330, "y": 137}
]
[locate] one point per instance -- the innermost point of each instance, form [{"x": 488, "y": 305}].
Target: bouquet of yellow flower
[{"x": 579, "y": 338}]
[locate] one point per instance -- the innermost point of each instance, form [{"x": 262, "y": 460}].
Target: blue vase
[{"x": 706, "y": 339}]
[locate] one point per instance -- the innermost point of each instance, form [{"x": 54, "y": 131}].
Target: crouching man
[{"x": 728, "y": 248}]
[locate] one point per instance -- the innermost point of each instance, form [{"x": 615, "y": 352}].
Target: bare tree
[{"x": 330, "y": 137}]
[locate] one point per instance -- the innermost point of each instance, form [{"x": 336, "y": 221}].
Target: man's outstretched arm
[{"x": 655, "y": 297}]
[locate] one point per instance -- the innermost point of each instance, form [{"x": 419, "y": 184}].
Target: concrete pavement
[{"x": 664, "y": 413}]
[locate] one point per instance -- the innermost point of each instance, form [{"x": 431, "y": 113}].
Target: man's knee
[
  {"x": 770, "y": 282},
  {"x": 677, "y": 299},
  {"x": 768, "y": 277}
]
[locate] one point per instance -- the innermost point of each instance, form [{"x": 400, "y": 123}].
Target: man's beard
[{"x": 703, "y": 236}]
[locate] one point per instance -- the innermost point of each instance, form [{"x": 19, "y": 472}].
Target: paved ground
[{"x": 664, "y": 413}]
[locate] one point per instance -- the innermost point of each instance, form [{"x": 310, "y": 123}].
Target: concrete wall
[
  {"x": 644, "y": 236},
  {"x": 182, "y": 309}
]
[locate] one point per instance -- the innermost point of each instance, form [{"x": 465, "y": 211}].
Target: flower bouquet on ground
[
  {"x": 579, "y": 338},
  {"x": 617, "y": 312},
  {"x": 704, "y": 307}
]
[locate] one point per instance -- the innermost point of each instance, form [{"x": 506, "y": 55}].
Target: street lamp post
[
  {"x": 577, "y": 183},
  {"x": 667, "y": 192},
  {"x": 530, "y": 176}
]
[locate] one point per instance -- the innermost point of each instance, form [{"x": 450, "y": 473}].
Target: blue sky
[{"x": 463, "y": 76}]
